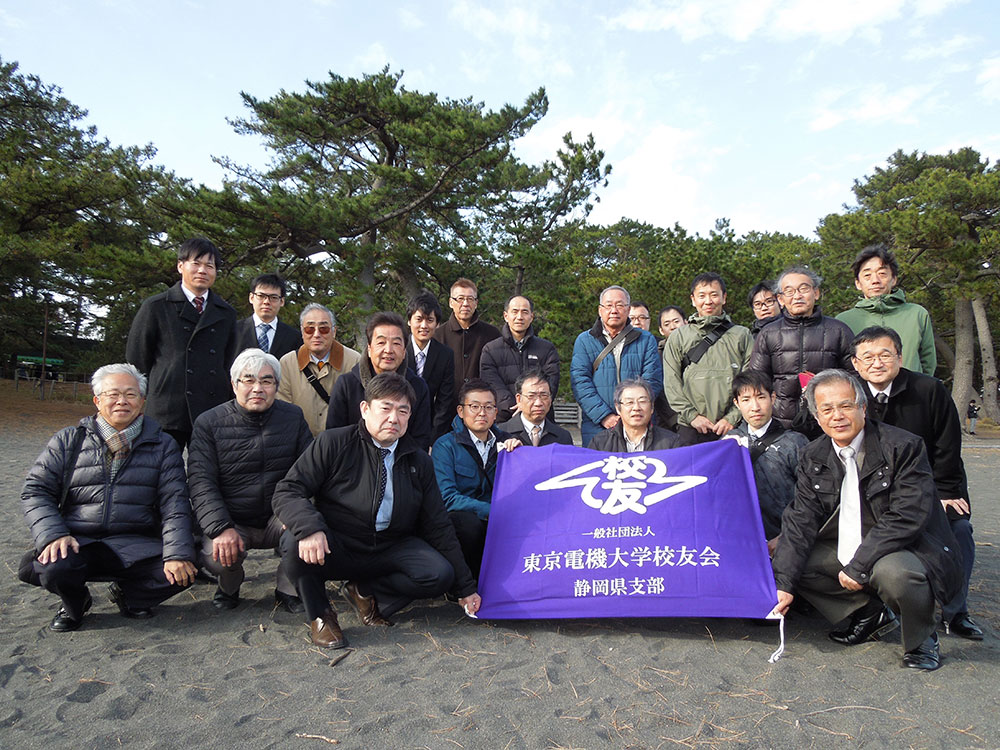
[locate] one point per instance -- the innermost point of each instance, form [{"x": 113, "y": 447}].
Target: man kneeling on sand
[
  {"x": 108, "y": 500},
  {"x": 362, "y": 505}
]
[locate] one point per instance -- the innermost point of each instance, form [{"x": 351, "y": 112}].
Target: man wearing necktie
[
  {"x": 431, "y": 360},
  {"x": 361, "y": 505},
  {"x": 263, "y": 330},
  {"x": 531, "y": 424},
  {"x": 865, "y": 538}
]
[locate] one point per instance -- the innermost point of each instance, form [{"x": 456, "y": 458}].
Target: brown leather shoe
[
  {"x": 366, "y": 606},
  {"x": 325, "y": 631}
]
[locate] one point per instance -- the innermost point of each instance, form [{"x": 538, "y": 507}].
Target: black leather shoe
[
  {"x": 63, "y": 623},
  {"x": 926, "y": 656},
  {"x": 222, "y": 600},
  {"x": 118, "y": 599},
  {"x": 963, "y": 625},
  {"x": 288, "y": 602},
  {"x": 866, "y": 628}
]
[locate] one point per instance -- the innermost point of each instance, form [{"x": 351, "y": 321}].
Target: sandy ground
[{"x": 191, "y": 677}]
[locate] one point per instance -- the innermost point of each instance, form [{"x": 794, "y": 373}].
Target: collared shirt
[
  {"x": 317, "y": 361},
  {"x": 635, "y": 447},
  {"x": 271, "y": 329},
  {"x": 191, "y": 295},
  {"x": 384, "y": 514},
  {"x": 758, "y": 434},
  {"x": 483, "y": 446},
  {"x": 417, "y": 349},
  {"x": 529, "y": 425},
  {"x": 858, "y": 445},
  {"x": 875, "y": 391}
]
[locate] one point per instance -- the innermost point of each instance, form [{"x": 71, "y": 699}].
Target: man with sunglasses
[
  {"x": 263, "y": 330},
  {"x": 310, "y": 372}
]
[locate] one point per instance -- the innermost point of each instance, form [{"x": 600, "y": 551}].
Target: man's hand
[
  {"x": 784, "y": 602},
  {"x": 314, "y": 548},
  {"x": 517, "y": 409},
  {"x": 471, "y": 603},
  {"x": 59, "y": 549},
  {"x": 510, "y": 444},
  {"x": 848, "y": 583},
  {"x": 960, "y": 504},
  {"x": 772, "y": 545},
  {"x": 180, "y": 572},
  {"x": 227, "y": 547},
  {"x": 610, "y": 421},
  {"x": 704, "y": 425},
  {"x": 722, "y": 427}
]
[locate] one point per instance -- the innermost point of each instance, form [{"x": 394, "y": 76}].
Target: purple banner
[{"x": 581, "y": 533}]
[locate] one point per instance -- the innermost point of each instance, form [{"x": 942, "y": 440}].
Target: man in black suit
[
  {"x": 431, "y": 360},
  {"x": 263, "y": 330},
  {"x": 921, "y": 404},
  {"x": 184, "y": 340},
  {"x": 534, "y": 400}
]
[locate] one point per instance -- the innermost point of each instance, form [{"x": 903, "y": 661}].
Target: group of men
[{"x": 306, "y": 446}]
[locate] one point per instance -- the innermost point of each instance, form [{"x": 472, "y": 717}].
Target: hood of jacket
[{"x": 884, "y": 303}]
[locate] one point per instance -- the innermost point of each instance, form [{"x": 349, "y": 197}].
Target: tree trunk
[
  {"x": 945, "y": 352},
  {"x": 367, "y": 279},
  {"x": 519, "y": 282},
  {"x": 988, "y": 358},
  {"x": 965, "y": 355}
]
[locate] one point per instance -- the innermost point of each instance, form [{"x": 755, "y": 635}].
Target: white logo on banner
[{"x": 626, "y": 480}]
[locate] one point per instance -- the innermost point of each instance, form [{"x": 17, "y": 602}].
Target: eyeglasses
[
  {"x": 199, "y": 265},
  {"x": 614, "y": 305},
  {"x": 465, "y": 298},
  {"x": 886, "y": 358},
  {"x": 635, "y": 318},
  {"x": 480, "y": 408},
  {"x": 540, "y": 396},
  {"x": 310, "y": 328},
  {"x": 270, "y": 297},
  {"x": 266, "y": 381},
  {"x": 118, "y": 395},
  {"x": 803, "y": 289},
  {"x": 628, "y": 403},
  {"x": 764, "y": 304}
]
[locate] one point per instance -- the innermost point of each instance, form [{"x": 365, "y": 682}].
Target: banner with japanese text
[{"x": 581, "y": 533}]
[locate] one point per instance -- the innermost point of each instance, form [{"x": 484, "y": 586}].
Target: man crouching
[
  {"x": 378, "y": 521},
  {"x": 108, "y": 500}
]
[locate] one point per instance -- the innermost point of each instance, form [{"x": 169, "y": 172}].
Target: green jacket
[
  {"x": 705, "y": 387},
  {"x": 909, "y": 320}
]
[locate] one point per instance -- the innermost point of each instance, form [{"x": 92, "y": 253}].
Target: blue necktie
[{"x": 262, "y": 329}]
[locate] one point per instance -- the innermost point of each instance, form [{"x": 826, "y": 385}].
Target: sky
[{"x": 760, "y": 111}]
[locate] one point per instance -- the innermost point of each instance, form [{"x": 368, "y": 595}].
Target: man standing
[
  {"x": 311, "y": 372},
  {"x": 921, "y": 404},
  {"x": 610, "y": 352},
  {"x": 239, "y": 450},
  {"x": 107, "y": 500},
  {"x": 431, "y": 360},
  {"x": 774, "y": 451},
  {"x": 764, "y": 304},
  {"x": 464, "y": 333},
  {"x": 263, "y": 330},
  {"x": 876, "y": 274},
  {"x": 638, "y": 314},
  {"x": 465, "y": 464},
  {"x": 972, "y": 414},
  {"x": 361, "y": 505},
  {"x": 530, "y": 423},
  {"x": 386, "y": 353},
  {"x": 184, "y": 340},
  {"x": 517, "y": 350},
  {"x": 800, "y": 342},
  {"x": 866, "y": 527},
  {"x": 635, "y": 431},
  {"x": 671, "y": 318},
  {"x": 700, "y": 361}
]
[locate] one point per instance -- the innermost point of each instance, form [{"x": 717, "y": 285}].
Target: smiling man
[
  {"x": 431, "y": 360},
  {"x": 635, "y": 431},
  {"x": 876, "y": 274},
  {"x": 362, "y": 505},
  {"x": 865, "y": 538},
  {"x": 239, "y": 450},
  {"x": 310, "y": 373},
  {"x": 800, "y": 342},
  {"x": 700, "y": 361},
  {"x": 263, "y": 330},
  {"x": 184, "y": 341},
  {"x": 386, "y": 353}
]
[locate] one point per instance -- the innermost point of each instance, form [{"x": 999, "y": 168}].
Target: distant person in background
[
  {"x": 764, "y": 304},
  {"x": 876, "y": 274},
  {"x": 517, "y": 350},
  {"x": 184, "y": 340},
  {"x": 464, "y": 332},
  {"x": 972, "y": 414},
  {"x": 308, "y": 375},
  {"x": 263, "y": 330},
  {"x": 431, "y": 360},
  {"x": 638, "y": 314}
]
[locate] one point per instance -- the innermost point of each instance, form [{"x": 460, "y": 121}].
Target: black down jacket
[
  {"x": 237, "y": 457},
  {"x": 502, "y": 363},
  {"x": 143, "y": 513},
  {"x": 791, "y": 345}
]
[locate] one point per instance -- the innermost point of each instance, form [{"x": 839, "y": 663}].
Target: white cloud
[
  {"x": 374, "y": 58},
  {"x": 868, "y": 104},
  {"x": 989, "y": 79},
  {"x": 942, "y": 49},
  {"x": 408, "y": 19},
  {"x": 10, "y": 21}
]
